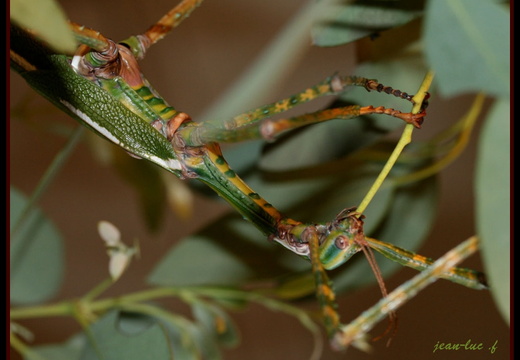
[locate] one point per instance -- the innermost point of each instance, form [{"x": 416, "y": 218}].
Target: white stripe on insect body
[{"x": 170, "y": 163}]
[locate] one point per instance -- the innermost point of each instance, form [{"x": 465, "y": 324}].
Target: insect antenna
[{"x": 392, "y": 315}]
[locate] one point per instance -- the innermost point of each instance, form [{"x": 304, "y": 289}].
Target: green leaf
[
  {"x": 217, "y": 323},
  {"x": 229, "y": 251},
  {"x": 196, "y": 261},
  {"x": 185, "y": 346},
  {"x": 69, "y": 350},
  {"x": 112, "y": 343},
  {"x": 48, "y": 19},
  {"x": 206, "y": 343},
  {"x": 493, "y": 197},
  {"x": 192, "y": 341},
  {"x": 467, "y": 44},
  {"x": 353, "y": 21},
  {"x": 36, "y": 253}
]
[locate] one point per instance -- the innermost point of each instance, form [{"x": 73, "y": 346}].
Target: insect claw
[{"x": 416, "y": 119}]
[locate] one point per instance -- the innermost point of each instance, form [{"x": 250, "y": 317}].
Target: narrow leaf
[
  {"x": 217, "y": 323},
  {"x": 112, "y": 343},
  {"x": 493, "y": 198},
  {"x": 69, "y": 350},
  {"x": 48, "y": 19},
  {"x": 350, "y": 22},
  {"x": 36, "y": 266},
  {"x": 467, "y": 44}
]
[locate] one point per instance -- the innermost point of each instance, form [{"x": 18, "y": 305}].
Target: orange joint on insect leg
[{"x": 175, "y": 122}]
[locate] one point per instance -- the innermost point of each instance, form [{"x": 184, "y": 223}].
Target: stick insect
[{"x": 103, "y": 88}]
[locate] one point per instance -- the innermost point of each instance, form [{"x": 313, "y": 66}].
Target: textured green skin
[
  {"x": 255, "y": 213},
  {"x": 135, "y": 135},
  {"x": 56, "y": 80}
]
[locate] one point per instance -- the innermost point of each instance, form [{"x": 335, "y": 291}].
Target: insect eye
[{"x": 341, "y": 242}]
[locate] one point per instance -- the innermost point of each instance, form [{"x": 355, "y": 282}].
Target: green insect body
[
  {"x": 122, "y": 107},
  {"x": 102, "y": 87},
  {"x": 123, "y": 114}
]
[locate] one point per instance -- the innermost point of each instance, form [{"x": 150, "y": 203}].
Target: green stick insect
[{"x": 103, "y": 88}]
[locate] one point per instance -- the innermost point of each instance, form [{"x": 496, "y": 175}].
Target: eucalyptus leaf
[
  {"x": 198, "y": 261},
  {"x": 36, "y": 253},
  {"x": 48, "y": 19},
  {"x": 467, "y": 44},
  {"x": 217, "y": 323},
  {"x": 206, "y": 343},
  {"x": 112, "y": 343},
  {"x": 185, "y": 346},
  {"x": 192, "y": 341},
  {"x": 69, "y": 350},
  {"x": 229, "y": 252},
  {"x": 352, "y": 21},
  {"x": 493, "y": 197}
]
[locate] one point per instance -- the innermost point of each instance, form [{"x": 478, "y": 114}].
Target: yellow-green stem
[
  {"x": 23, "y": 349},
  {"x": 405, "y": 139},
  {"x": 465, "y": 133},
  {"x": 98, "y": 290}
]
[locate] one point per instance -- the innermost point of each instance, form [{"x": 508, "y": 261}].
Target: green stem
[
  {"x": 100, "y": 288},
  {"x": 64, "y": 308},
  {"x": 47, "y": 178},
  {"x": 467, "y": 126},
  {"x": 23, "y": 349},
  {"x": 405, "y": 139}
]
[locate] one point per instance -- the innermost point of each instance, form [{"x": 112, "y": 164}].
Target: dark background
[{"x": 191, "y": 68}]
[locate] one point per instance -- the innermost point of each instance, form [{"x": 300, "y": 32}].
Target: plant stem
[
  {"x": 466, "y": 128},
  {"x": 23, "y": 349},
  {"x": 100, "y": 288},
  {"x": 405, "y": 139},
  {"x": 47, "y": 178}
]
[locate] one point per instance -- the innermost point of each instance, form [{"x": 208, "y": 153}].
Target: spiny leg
[
  {"x": 171, "y": 20},
  {"x": 467, "y": 277},
  {"x": 324, "y": 291},
  {"x": 257, "y": 123},
  {"x": 270, "y": 129},
  {"x": 95, "y": 40},
  {"x": 343, "y": 238}
]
